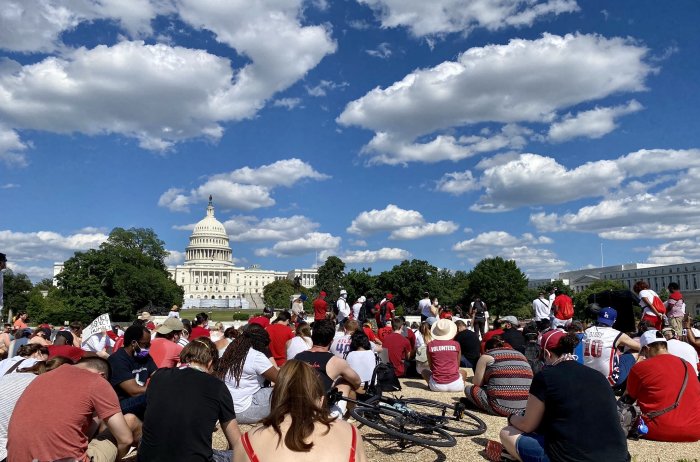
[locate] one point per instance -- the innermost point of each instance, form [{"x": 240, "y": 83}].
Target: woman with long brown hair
[{"x": 299, "y": 427}]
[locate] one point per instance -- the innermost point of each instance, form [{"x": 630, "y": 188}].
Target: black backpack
[
  {"x": 383, "y": 378},
  {"x": 479, "y": 308},
  {"x": 334, "y": 307}
]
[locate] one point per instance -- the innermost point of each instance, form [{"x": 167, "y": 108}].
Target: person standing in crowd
[
  {"x": 320, "y": 306},
  {"x": 571, "y": 407},
  {"x": 444, "y": 357},
  {"x": 298, "y": 309},
  {"x": 425, "y": 307},
  {"x": 477, "y": 312},
  {"x": 200, "y": 326},
  {"x": 468, "y": 344},
  {"x": 681, "y": 349},
  {"x": 299, "y": 426},
  {"x": 76, "y": 394},
  {"x": 132, "y": 366},
  {"x": 652, "y": 306},
  {"x": 165, "y": 350},
  {"x": 280, "y": 333},
  {"x": 181, "y": 429},
  {"x": 332, "y": 370},
  {"x": 659, "y": 382},
  {"x": 511, "y": 334},
  {"x": 601, "y": 349},
  {"x": 342, "y": 307},
  {"x": 357, "y": 309},
  {"x": 174, "y": 312},
  {"x": 263, "y": 320},
  {"x": 562, "y": 309},
  {"x": 244, "y": 369},
  {"x": 501, "y": 381},
  {"x": 541, "y": 309},
  {"x": 675, "y": 308},
  {"x": 301, "y": 341},
  {"x": 398, "y": 347},
  {"x": 385, "y": 311},
  {"x": 20, "y": 321}
]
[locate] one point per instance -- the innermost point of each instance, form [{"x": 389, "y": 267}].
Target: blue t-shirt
[{"x": 578, "y": 351}]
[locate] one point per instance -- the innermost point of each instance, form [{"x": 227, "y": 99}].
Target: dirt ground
[{"x": 380, "y": 448}]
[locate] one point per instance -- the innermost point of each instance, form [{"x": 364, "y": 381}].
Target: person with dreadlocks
[{"x": 244, "y": 369}]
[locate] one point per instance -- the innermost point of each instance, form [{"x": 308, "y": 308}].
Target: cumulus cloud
[
  {"x": 526, "y": 250},
  {"x": 311, "y": 242},
  {"x": 271, "y": 229},
  {"x": 676, "y": 251},
  {"x": 524, "y": 81},
  {"x": 457, "y": 183},
  {"x": 591, "y": 124},
  {"x": 12, "y": 148},
  {"x": 245, "y": 188},
  {"x": 403, "y": 224},
  {"x": 371, "y": 256},
  {"x": 445, "y": 16},
  {"x": 174, "y": 258}
]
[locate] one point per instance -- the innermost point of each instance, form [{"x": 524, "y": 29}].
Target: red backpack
[{"x": 565, "y": 308}]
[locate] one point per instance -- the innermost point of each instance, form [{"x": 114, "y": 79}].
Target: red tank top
[{"x": 245, "y": 439}]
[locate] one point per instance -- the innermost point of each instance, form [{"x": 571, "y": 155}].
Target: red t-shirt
[
  {"x": 320, "y": 309},
  {"x": 263, "y": 321},
  {"x": 381, "y": 333},
  {"x": 279, "y": 334},
  {"x": 73, "y": 394},
  {"x": 398, "y": 348},
  {"x": 199, "y": 331},
  {"x": 66, "y": 351},
  {"x": 655, "y": 384},
  {"x": 370, "y": 334},
  {"x": 165, "y": 353},
  {"x": 444, "y": 360}
]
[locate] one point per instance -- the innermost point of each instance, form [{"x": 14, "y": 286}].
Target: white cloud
[
  {"x": 439, "y": 228},
  {"x": 287, "y": 103},
  {"x": 245, "y": 188},
  {"x": 174, "y": 258},
  {"x": 445, "y": 16},
  {"x": 12, "y": 148},
  {"x": 457, "y": 183},
  {"x": 674, "y": 252},
  {"x": 383, "y": 51},
  {"x": 371, "y": 256},
  {"x": 273, "y": 229},
  {"x": 321, "y": 89},
  {"x": 591, "y": 124},
  {"x": 311, "y": 242},
  {"x": 498, "y": 239},
  {"x": 390, "y": 218},
  {"x": 358, "y": 242},
  {"x": 522, "y": 81}
]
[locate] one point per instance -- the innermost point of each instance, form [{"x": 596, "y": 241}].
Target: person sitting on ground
[
  {"x": 63, "y": 347},
  {"x": 200, "y": 327},
  {"x": 25, "y": 357},
  {"x": 681, "y": 349},
  {"x": 332, "y": 370},
  {"x": 264, "y": 318},
  {"x": 299, "y": 427},
  {"x": 21, "y": 339},
  {"x": 11, "y": 388},
  {"x": 244, "y": 369},
  {"x": 398, "y": 347},
  {"x": 41, "y": 336},
  {"x": 229, "y": 334},
  {"x": 511, "y": 335},
  {"x": 280, "y": 333},
  {"x": 341, "y": 342},
  {"x": 384, "y": 330},
  {"x": 301, "y": 341},
  {"x": 469, "y": 345},
  {"x": 361, "y": 358},
  {"x": 76, "y": 328},
  {"x": 98, "y": 343},
  {"x": 577, "y": 328},
  {"x": 369, "y": 331},
  {"x": 76, "y": 394},
  {"x": 571, "y": 407},
  {"x": 185, "y": 334},
  {"x": 653, "y": 309},
  {"x": 132, "y": 366},
  {"x": 501, "y": 381},
  {"x": 165, "y": 350},
  {"x": 423, "y": 338},
  {"x": 600, "y": 349},
  {"x": 217, "y": 333},
  {"x": 656, "y": 383},
  {"x": 181, "y": 429},
  {"x": 443, "y": 357},
  {"x": 495, "y": 330}
]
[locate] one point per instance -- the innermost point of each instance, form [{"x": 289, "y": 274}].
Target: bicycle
[{"x": 432, "y": 424}]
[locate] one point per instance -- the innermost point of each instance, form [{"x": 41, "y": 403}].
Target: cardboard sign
[{"x": 100, "y": 324}]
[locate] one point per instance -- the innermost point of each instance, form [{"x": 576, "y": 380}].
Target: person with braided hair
[{"x": 244, "y": 369}]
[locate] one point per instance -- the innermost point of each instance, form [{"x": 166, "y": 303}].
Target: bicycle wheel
[
  {"x": 456, "y": 419},
  {"x": 405, "y": 428}
]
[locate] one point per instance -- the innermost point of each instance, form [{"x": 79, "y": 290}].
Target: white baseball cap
[{"x": 651, "y": 336}]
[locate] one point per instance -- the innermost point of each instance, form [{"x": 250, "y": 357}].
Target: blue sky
[{"x": 375, "y": 130}]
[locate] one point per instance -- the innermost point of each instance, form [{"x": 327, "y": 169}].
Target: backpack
[
  {"x": 383, "y": 378},
  {"x": 479, "y": 309},
  {"x": 335, "y": 308},
  {"x": 565, "y": 310},
  {"x": 659, "y": 305},
  {"x": 532, "y": 353}
]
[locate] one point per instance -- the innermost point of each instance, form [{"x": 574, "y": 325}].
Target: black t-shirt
[
  {"x": 515, "y": 339},
  {"x": 182, "y": 408},
  {"x": 126, "y": 367},
  {"x": 580, "y": 422},
  {"x": 318, "y": 360},
  {"x": 469, "y": 345}
]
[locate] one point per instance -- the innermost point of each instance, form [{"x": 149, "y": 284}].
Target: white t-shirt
[
  {"x": 297, "y": 345},
  {"x": 419, "y": 339},
  {"x": 362, "y": 362},
  {"x": 356, "y": 310},
  {"x": 96, "y": 343},
  {"x": 648, "y": 294},
  {"x": 340, "y": 344},
  {"x": 251, "y": 380},
  {"x": 424, "y": 307},
  {"x": 542, "y": 308},
  {"x": 174, "y": 314},
  {"x": 6, "y": 364},
  {"x": 684, "y": 351},
  {"x": 343, "y": 309}
]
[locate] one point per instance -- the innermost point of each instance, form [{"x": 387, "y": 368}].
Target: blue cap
[
  {"x": 607, "y": 316},
  {"x": 303, "y": 297}
]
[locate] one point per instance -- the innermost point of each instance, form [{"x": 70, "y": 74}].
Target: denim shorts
[{"x": 530, "y": 447}]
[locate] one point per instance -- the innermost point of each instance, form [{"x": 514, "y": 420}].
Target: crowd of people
[{"x": 162, "y": 388}]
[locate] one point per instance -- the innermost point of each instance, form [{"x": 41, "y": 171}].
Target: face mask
[{"x": 140, "y": 353}]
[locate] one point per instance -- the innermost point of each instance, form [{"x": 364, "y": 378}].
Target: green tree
[
  {"x": 408, "y": 280},
  {"x": 453, "y": 288},
  {"x": 330, "y": 277},
  {"x": 125, "y": 275},
  {"x": 16, "y": 290},
  {"x": 277, "y": 294},
  {"x": 359, "y": 283},
  {"x": 500, "y": 284},
  {"x": 50, "y": 308}
]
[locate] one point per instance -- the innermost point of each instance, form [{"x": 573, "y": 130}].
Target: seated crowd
[{"x": 162, "y": 390}]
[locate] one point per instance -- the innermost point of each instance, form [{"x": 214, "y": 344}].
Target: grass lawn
[{"x": 219, "y": 315}]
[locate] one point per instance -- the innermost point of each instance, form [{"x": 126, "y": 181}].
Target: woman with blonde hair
[
  {"x": 299, "y": 427},
  {"x": 301, "y": 342},
  {"x": 423, "y": 337}
]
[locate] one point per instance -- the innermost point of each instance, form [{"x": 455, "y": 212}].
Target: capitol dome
[{"x": 209, "y": 241}]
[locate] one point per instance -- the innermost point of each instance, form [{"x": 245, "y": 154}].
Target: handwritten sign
[{"x": 100, "y": 324}]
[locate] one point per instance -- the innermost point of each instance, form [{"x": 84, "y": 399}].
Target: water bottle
[{"x": 642, "y": 428}]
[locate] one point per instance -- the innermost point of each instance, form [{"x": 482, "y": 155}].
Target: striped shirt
[
  {"x": 11, "y": 388},
  {"x": 507, "y": 379}
]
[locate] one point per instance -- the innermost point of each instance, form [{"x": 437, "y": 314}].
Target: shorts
[
  {"x": 655, "y": 321},
  {"x": 530, "y": 447},
  {"x": 102, "y": 448},
  {"x": 556, "y": 322},
  {"x": 457, "y": 385},
  {"x": 259, "y": 408}
]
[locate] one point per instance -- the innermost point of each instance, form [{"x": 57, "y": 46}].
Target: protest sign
[{"x": 100, "y": 324}]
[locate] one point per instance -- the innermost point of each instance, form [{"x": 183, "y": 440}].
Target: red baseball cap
[
  {"x": 389, "y": 296},
  {"x": 551, "y": 339}
]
